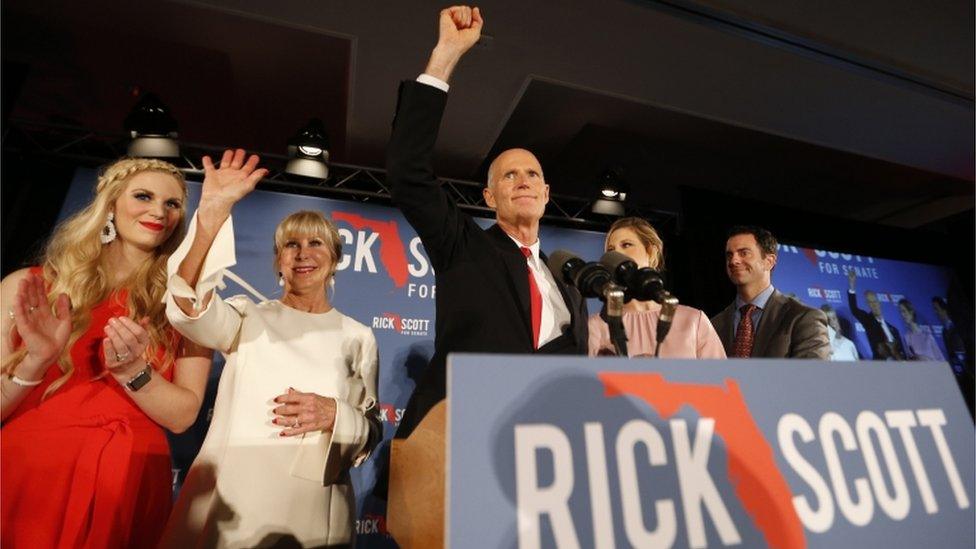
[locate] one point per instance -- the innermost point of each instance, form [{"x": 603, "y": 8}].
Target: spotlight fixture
[
  {"x": 308, "y": 151},
  {"x": 611, "y": 194},
  {"x": 152, "y": 128}
]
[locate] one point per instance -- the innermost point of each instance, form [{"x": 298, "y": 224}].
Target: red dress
[{"x": 85, "y": 467}]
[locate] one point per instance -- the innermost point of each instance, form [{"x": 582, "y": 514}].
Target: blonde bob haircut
[
  {"x": 307, "y": 224},
  {"x": 647, "y": 235},
  {"x": 74, "y": 263}
]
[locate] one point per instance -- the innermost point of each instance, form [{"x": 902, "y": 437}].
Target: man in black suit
[
  {"x": 951, "y": 335},
  {"x": 494, "y": 291},
  {"x": 762, "y": 322},
  {"x": 959, "y": 349},
  {"x": 883, "y": 337}
]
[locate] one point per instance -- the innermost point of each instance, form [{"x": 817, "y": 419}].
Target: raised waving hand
[
  {"x": 223, "y": 186},
  {"x": 229, "y": 182}
]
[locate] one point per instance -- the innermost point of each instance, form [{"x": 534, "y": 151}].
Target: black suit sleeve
[
  {"x": 860, "y": 314},
  {"x": 414, "y": 187}
]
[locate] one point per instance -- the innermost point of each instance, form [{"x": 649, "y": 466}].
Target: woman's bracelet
[{"x": 23, "y": 382}]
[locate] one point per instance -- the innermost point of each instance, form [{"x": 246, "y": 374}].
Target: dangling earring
[
  {"x": 108, "y": 231},
  {"x": 281, "y": 280},
  {"x": 332, "y": 284}
]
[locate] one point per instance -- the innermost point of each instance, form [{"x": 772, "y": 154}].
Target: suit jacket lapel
[
  {"x": 517, "y": 270},
  {"x": 726, "y": 332},
  {"x": 563, "y": 291},
  {"x": 769, "y": 322}
]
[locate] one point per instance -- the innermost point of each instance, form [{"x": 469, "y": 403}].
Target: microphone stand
[
  {"x": 669, "y": 304},
  {"x": 612, "y": 314}
]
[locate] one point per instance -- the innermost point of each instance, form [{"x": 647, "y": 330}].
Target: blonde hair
[
  {"x": 308, "y": 223},
  {"x": 73, "y": 264},
  {"x": 647, "y": 235}
]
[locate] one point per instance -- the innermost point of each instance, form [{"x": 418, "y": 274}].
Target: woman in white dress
[{"x": 296, "y": 403}]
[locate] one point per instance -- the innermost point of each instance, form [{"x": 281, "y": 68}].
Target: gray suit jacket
[{"x": 788, "y": 329}]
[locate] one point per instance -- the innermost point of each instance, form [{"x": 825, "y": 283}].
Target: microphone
[
  {"x": 642, "y": 284},
  {"x": 591, "y": 279},
  {"x": 594, "y": 280}
]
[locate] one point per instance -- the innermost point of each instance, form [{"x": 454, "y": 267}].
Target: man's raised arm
[
  {"x": 409, "y": 156},
  {"x": 858, "y": 312}
]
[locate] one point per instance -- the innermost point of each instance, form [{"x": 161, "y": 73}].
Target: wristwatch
[{"x": 139, "y": 380}]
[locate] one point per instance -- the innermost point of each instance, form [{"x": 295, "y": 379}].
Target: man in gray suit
[{"x": 762, "y": 322}]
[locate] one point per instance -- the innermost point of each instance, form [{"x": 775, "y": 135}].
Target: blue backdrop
[{"x": 819, "y": 277}]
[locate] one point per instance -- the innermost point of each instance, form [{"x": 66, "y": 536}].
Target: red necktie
[
  {"x": 535, "y": 300},
  {"x": 744, "y": 336}
]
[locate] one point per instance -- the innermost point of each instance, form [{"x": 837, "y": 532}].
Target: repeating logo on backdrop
[
  {"x": 390, "y": 414},
  {"x": 835, "y": 263},
  {"x": 419, "y": 327},
  {"x": 371, "y": 523},
  {"x": 827, "y": 294}
]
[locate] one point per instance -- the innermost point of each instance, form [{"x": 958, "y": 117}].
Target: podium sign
[{"x": 577, "y": 452}]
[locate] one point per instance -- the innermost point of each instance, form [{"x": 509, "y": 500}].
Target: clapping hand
[
  {"x": 125, "y": 346},
  {"x": 44, "y": 332},
  {"x": 303, "y": 412}
]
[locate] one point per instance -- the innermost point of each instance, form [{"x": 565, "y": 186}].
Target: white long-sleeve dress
[{"x": 249, "y": 486}]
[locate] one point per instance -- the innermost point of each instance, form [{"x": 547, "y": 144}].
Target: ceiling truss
[{"x": 356, "y": 183}]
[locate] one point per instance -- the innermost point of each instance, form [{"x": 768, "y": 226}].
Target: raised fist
[{"x": 460, "y": 28}]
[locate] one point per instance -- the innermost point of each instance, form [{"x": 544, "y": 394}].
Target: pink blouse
[{"x": 691, "y": 335}]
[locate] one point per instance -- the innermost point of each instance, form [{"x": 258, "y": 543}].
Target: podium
[
  {"x": 577, "y": 452},
  {"x": 415, "y": 509}
]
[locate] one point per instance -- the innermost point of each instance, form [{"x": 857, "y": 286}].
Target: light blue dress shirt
[{"x": 759, "y": 301}]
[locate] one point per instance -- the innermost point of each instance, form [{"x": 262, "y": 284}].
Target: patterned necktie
[
  {"x": 744, "y": 335},
  {"x": 535, "y": 300}
]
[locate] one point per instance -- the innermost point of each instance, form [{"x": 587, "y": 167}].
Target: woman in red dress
[{"x": 92, "y": 373}]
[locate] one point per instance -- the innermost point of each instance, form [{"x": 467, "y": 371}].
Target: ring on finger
[
  {"x": 10, "y": 313},
  {"x": 297, "y": 423},
  {"x": 31, "y": 309},
  {"x": 121, "y": 357}
]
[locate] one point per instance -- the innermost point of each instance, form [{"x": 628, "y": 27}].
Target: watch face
[{"x": 140, "y": 380}]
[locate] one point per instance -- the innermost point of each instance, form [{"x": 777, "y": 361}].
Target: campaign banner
[
  {"x": 384, "y": 280},
  {"x": 902, "y": 290},
  {"x": 576, "y": 452}
]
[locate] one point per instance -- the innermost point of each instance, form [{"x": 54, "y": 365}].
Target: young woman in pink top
[{"x": 691, "y": 335}]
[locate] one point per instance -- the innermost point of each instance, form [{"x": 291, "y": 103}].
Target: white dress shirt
[
  {"x": 555, "y": 313},
  {"x": 433, "y": 81},
  {"x": 884, "y": 326}
]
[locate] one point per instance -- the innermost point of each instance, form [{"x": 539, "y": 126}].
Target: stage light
[
  {"x": 308, "y": 151},
  {"x": 611, "y": 195},
  {"x": 152, "y": 129}
]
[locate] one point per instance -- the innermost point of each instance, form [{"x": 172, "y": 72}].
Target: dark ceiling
[{"x": 859, "y": 110}]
